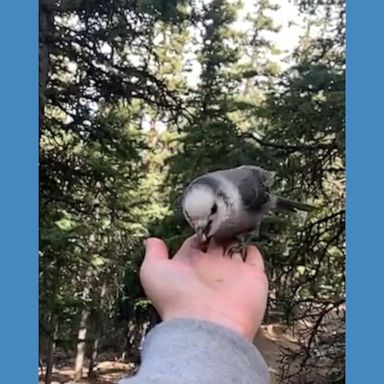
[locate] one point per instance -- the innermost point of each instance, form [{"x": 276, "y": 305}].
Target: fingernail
[{"x": 145, "y": 243}]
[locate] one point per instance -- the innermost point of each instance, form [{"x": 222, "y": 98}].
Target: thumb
[{"x": 155, "y": 249}]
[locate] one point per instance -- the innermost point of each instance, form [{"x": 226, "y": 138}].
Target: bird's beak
[{"x": 201, "y": 234}]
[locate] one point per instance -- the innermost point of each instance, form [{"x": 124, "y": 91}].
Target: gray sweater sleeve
[{"x": 186, "y": 351}]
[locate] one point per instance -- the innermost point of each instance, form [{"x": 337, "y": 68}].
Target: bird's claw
[{"x": 239, "y": 249}]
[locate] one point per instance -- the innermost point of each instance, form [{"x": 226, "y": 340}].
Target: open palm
[{"x": 207, "y": 286}]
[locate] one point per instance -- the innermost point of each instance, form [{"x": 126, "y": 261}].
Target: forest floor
[
  {"x": 271, "y": 340},
  {"x": 108, "y": 371}
]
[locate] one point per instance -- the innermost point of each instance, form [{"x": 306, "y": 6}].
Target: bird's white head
[{"x": 204, "y": 209}]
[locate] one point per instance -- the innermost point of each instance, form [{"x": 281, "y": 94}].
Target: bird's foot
[{"x": 238, "y": 248}]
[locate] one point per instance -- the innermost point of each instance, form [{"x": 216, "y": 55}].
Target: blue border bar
[
  {"x": 19, "y": 191},
  {"x": 365, "y": 191}
]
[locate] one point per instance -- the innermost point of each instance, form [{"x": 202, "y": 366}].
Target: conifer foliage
[{"x": 137, "y": 97}]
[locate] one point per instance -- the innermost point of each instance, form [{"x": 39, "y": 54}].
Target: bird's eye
[{"x": 214, "y": 209}]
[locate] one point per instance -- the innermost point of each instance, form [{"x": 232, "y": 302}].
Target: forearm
[{"x": 186, "y": 351}]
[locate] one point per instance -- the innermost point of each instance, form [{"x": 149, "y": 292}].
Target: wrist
[{"x": 205, "y": 313}]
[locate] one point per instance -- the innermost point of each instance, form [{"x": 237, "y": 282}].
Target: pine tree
[
  {"x": 307, "y": 255},
  {"x": 94, "y": 76},
  {"x": 123, "y": 131}
]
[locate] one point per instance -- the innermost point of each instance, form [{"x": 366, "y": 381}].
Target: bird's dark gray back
[{"x": 252, "y": 186}]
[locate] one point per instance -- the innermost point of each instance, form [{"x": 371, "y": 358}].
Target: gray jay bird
[{"x": 231, "y": 202}]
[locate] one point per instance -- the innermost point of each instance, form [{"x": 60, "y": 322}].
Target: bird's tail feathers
[{"x": 283, "y": 204}]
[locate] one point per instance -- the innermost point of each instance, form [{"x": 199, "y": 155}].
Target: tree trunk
[
  {"x": 81, "y": 344},
  {"x": 94, "y": 354},
  {"x": 250, "y": 82},
  {"x": 46, "y": 30},
  {"x": 51, "y": 346},
  {"x": 97, "y": 320},
  {"x": 83, "y": 328}
]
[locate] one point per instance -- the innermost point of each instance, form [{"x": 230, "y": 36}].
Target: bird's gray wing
[
  {"x": 253, "y": 183},
  {"x": 262, "y": 180}
]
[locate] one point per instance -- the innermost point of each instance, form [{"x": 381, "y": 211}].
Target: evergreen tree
[{"x": 122, "y": 132}]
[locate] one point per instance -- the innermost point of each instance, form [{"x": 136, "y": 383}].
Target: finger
[
  {"x": 230, "y": 247},
  {"x": 216, "y": 247},
  {"x": 190, "y": 246},
  {"x": 224, "y": 243},
  {"x": 155, "y": 249},
  {"x": 254, "y": 257},
  {"x": 236, "y": 256}
]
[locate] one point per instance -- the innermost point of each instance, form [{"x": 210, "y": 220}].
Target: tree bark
[
  {"x": 83, "y": 327},
  {"x": 81, "y": 344},
  {"x": 94, "y": 354},
  {"x": 97, "y": 316},
  {"x": 250, "y": 82},
  {"x": 46, "y": 28},
  {"x": 51, "y": 347}
]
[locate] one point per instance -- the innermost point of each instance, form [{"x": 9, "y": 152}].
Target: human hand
[{"x": 206, "y": 286}]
